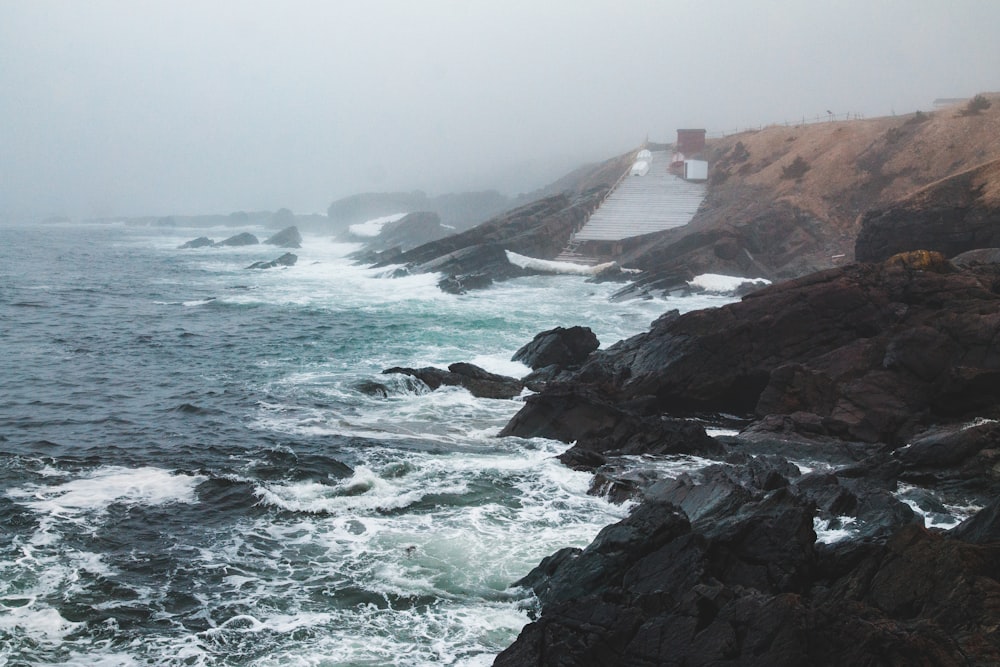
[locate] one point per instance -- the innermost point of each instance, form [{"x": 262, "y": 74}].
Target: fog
[{"x": 129, "y": 108}]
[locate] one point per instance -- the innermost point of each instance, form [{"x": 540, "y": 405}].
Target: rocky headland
[
  {"x": 843, "y": 423},
  {"x": 870, "y": 405}
]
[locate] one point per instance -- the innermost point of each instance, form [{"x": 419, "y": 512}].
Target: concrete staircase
[{"x": 640, "y": 205}]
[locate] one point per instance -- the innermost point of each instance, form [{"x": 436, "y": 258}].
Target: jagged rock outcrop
[
  {"x": 288, "y": 259},
  {"x": 540, "y": 229},
  {"x": 246, "y": 238},
  {"x": 952, "y": 216},
  {"x": 870, "y": 350},
  {"x": 726, "y": 570},
  {"x": 200, "y": 242},
  {"x": 288, "y": 237}
]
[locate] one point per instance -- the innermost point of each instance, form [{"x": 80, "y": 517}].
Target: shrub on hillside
[
  {"x": 796, "y": 169},
  {"x": 976, "y": 105}
]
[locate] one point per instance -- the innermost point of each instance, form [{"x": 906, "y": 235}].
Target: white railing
[{"x": 829, "y": 117}]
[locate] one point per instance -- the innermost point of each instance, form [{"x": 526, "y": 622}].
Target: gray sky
[{"x": 133, "y": 107}]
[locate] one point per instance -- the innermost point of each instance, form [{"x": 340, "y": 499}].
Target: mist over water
[{"x": 190, "y": 475}]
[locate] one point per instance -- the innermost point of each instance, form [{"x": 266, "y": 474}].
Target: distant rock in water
[
  {"x": 288, "y": 237},
  {"x": 288, "y": 259},
  {"x": 246, "y": 238},
  {"x": 200, "y": 242}
]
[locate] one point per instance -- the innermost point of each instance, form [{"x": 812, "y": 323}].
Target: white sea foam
[
  {"x": 950, "y": 514},
  {"x": 40, "y": 623},
  {"x": 549, "y": 266},
  {"x": 374, "y": 226},
  {"x": 97, "y": 490},
  {"x": 842, "y": 530},
  {"x": 713, "y": 282}
]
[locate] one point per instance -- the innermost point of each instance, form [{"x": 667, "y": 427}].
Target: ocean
[{"x": 190, "y": 473}]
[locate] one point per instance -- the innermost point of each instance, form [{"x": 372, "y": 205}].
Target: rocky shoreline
[{"x": 870, "y": 395}]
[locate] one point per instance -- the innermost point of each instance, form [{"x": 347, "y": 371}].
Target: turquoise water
[{"x": 189, "y": 474}]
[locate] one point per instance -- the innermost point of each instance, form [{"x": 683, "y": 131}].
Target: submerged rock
[{"x": 288, "y": 259}]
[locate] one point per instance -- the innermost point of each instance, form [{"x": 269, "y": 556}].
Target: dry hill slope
[{"x": 786, "y": 201}]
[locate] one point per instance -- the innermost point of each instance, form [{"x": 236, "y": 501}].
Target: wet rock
[
  {"x": 462, "y": 284},
  {"x": 875, "y": 352},
  {"x": 981, "y": 528},
  {"x": 559, "y": 347},
  {"x": 477, "y": 381},
  {"x": 744, "y": 585}
]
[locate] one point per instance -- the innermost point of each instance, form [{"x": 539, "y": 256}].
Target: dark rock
[
  {"x": 478, "y": 382},
  {"x": 564, "y": 413},
  {"x": 951, "y": 216},
  {"x": 560, "y": 347},
  {"x": 462, "y": 284},
  {"x": 200, "y": 242},
  {"x": 288, "y": 237},
  {"x": 745, "y": 585},
  {"x": 651, "y": 283},
  {"x": 580, "y": 459},
  {"x": 288, "y": 259},
  {"x": 948, "y": 446},
  {"x": 981, "y": 528},
  {"x": 246, "y": 238},
  {"x": 869, "y": 350},
  {"x": 539, "y": 229},
  {"x": 372, "y": 388}
]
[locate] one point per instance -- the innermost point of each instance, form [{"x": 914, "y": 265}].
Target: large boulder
[
  {"x": 288, "y": 237},
  {"x": 558, "y": 347},
  {"x": 952, "y": 216},
  {"x": 246, "y": 238}
]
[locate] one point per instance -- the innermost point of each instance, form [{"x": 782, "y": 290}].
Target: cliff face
[
  {"x": 952, "y": 216},
  {"x": 786, "y": 201}
]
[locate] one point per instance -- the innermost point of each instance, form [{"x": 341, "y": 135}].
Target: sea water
[{"x": 190, "y": 473}]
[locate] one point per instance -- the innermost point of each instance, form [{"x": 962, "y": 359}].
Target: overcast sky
[{"x": 144, "y": 107}]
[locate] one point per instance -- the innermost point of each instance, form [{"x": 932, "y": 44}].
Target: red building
[{"x": 690, "y": 142}]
